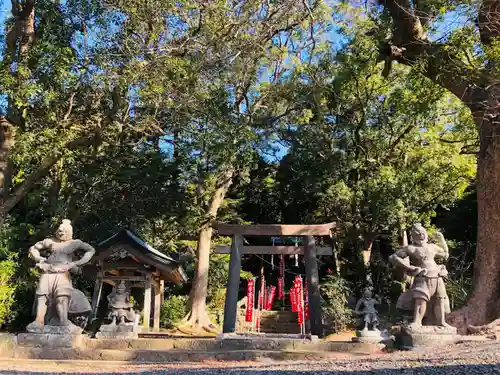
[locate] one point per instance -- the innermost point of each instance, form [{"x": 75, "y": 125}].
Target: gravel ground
[{"x": 474, "y": 358}]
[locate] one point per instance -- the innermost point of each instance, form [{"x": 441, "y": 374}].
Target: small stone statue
[
  {"x": 120, "y": 306},
  {"x": 427, "y": 296},
  {"x": 55, "y": 288},
  {"x": 366, "y": 309}
]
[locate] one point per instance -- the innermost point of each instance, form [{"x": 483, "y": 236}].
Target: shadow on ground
[{"x": 261, "y": 369}]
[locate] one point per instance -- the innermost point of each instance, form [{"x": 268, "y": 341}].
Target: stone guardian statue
[
  {"x": 123, "y": 319},
  {"x": 366, "y": 309},
  {"x": 121, "y": 311},
  {"x": 55, "y": 288},
  {"x": 427, "y": 295}
]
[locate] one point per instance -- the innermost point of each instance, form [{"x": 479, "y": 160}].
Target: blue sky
[{"x": 4, "y": 10}]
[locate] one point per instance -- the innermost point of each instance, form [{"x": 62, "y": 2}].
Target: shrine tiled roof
[{"x": 126, "y": 242}]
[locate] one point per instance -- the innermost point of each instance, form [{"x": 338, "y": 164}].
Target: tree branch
[
  {"x": 47, "y": 163},
  {"x": 489, "y": 21},
  {"x": 410, "y": 45}
]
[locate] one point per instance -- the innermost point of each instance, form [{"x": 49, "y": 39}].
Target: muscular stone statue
[
  {"x": 55, "y": 287},
  {"x": 119, "y": 304},
  {"x": 366, "y": 308},
  {"x": 427, "y": 295}
]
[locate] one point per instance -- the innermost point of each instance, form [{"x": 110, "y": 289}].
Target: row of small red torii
[{"x": 310, "y": 251}]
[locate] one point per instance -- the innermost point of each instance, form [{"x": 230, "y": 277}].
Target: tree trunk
[
  {"x": 484, "y": 304},
  {"x": 367, "y": 258},
  {"x": 198, "y": 315},
  {"x": 404, "y": 238},
  {"x": 7, "y": 141},
  {"x": 405, "y": 279}
]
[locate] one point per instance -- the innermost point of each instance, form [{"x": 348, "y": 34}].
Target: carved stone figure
[
  {"x": 124, "y": 320},
  {"x": 55, "y": 289},
  {"x": 427, "y": 295},
  {"x": 366, "y": 309},
  {"x": 119, "y": 304}
]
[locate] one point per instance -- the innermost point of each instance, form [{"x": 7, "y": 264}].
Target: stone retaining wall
[{"x": 26, "y": 346}]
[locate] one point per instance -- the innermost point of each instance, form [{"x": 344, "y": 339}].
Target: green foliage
[
  {"x": 458, "y": 288},
  {"x": 334, "y": 293},
  {"x": 7, "y": 289},
  {"x": 217, "y": 300},
  {"x": 173, "y": 310},
  {"x": 218, "y": 274}
]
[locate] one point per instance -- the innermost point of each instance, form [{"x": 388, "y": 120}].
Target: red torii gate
[{"x": 310, "y": 251}]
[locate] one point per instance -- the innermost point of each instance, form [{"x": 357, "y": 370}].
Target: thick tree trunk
[
  {"x": 198, "y": 315},
  {"x": 405, "y": 279},
  {"x": 484, "y": 304},
  {"x": 367, "y": 258},
  {"x": 7, "y": 141}
]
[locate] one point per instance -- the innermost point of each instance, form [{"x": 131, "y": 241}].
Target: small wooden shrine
[{"x": 125, "y": 257}]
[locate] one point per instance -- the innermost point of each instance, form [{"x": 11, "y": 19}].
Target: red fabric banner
[
  {"x": 306, "y": 300},
  {"x": 293, "y": 299},
  {"x": 263, "y": 294},
  {"x": 270, "y": 297},
  {"x": 250, "y": 300},
  {"x": 300, "y": 299},
  {"x": 281, "y": 279}
]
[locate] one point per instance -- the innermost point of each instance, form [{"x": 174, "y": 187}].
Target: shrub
[
  {"x": 458, "y": 289},
  {"x": 334, "y": 293},
  {"x": 173, "y": 310},
  {"x": 7, "y": 289}
]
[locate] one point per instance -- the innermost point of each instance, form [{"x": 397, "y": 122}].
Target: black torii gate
[{"x": 310, "y": 251}]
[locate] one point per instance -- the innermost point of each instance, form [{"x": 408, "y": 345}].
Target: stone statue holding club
[
  {"x": 55, "y": 289},
  {"x": 427, "y": 296}
]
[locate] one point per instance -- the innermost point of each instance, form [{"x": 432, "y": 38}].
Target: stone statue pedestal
[
  {"x": 129, "y": 331},
  {"x": 409, "y": 337},
  {"x": 368, "y": 336},
  {"x": 69, "y": 329},
  {"x": 51, "y": 340}
]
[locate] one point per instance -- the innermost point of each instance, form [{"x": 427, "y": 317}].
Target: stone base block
[
  {"x": 69, "y": 329},
  {"x": 119, "y": 331},
  {"x": 8, "y": 344},
  {"x": 51, "y": 341},
  {"x": 368, "y": 337},
  {"x": 410, "y": 337}
]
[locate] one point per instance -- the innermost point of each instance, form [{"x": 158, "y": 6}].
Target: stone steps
[
  {"x": 254, "y": 348},
  {"x": 133, "y": 355},
  {"x": 243, "y": 343},
  {"x": 284, "y": 322},
  {"x": 213, "y": 345}
]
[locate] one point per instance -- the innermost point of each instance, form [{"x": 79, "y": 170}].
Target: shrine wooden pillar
[
  {"x": 157, "y": 307},
  {"x": 146, "y": 312},
  {"x": 162, "y": 291},
  {"x": 233, "y": 285},
  {"x": 315, "y": 313},
  {"x": 96, "y": 296}
]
